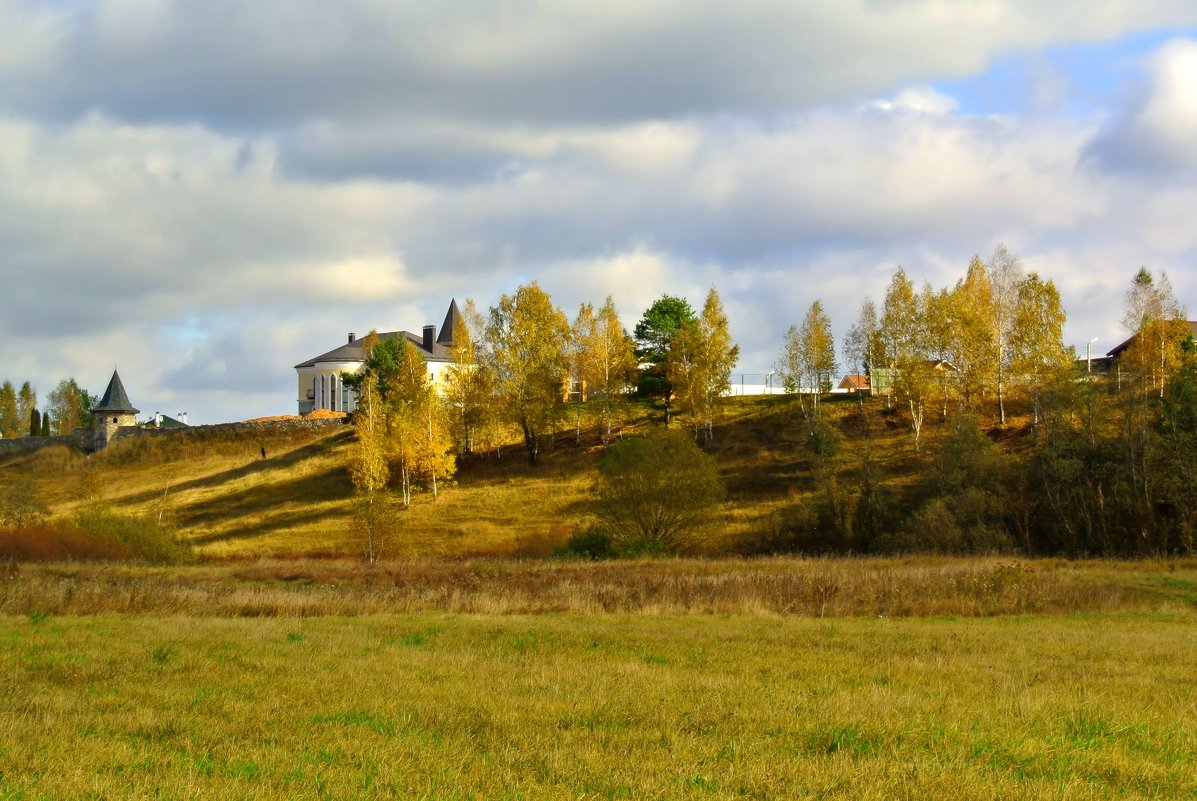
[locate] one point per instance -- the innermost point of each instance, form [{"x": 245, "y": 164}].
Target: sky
[{"x": 204, "y": 194}]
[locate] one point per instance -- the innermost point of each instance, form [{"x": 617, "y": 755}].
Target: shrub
[
  {"x": 21, "y": 505},
  {"x": 589, "y": 543},
  {"x": 143, "y": 536},
  {"x": 656, "y": 493},
  {"x": 57, "y": 542}
]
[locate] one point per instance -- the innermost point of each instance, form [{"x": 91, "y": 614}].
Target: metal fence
[{"x": 756, "y": 384}]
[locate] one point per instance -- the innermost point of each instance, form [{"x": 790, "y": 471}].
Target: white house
[{"x": 320, "y": 379}]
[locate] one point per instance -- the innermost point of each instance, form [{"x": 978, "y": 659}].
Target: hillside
[{"x": 229, "y": 501}]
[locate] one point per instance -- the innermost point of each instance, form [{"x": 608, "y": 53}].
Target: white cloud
[{"x": 1156, "y": 131}]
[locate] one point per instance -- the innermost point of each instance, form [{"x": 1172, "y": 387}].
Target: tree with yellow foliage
[
  {"x": 701, "y": 359},
  {"x": 368, "y": 467},
  {"x": 528, "y": 340},
  {"x": 604, "y": 362}
]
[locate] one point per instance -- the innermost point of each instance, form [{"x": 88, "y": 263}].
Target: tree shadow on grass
[
  {"x": 252, "y": 506},
  {"x": 269, "y": 524},
  {"x": 257, "y": 467}
]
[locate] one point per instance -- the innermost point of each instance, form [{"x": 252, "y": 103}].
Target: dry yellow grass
[{"x": 775, "y": 587}]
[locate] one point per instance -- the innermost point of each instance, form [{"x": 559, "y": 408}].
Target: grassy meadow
[
  {"x": 598, "y": 706},
  {"x": 470, "y": 663}
]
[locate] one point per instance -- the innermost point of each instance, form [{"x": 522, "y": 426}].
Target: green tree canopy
[{"x": 654, "y": 336}]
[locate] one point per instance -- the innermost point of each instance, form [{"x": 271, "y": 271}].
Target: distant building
[
  {"x": 1109, "y": 362},
  {"x": 160, "y": 420},
  {"x": 854, "y": 384},
  {"x": 113, "y": 413},
  {"x": 320, "y": 379},
  {"x": 882, "y": 380}
]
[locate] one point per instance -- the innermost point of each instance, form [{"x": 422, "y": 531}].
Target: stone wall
[
  {"x": 264, "y": 426},
  {"x": 83, "y": 438}
]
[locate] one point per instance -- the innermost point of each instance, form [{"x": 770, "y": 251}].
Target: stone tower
[{"x": 114, "y": 412}]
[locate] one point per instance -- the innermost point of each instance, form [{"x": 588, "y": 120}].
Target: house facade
[{"x": 321, "y": 379}]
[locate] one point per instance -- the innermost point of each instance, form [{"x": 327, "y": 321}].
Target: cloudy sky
[{"x": 206, "y": 193}]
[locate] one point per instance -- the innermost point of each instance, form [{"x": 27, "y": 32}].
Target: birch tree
[
  {"x": 807, "y": 361},
  {"x": 1157, "y": 320},
  {"x": 420, "y": 445},
  {"x": 972, "y": 343},
  {"x": 1038, "y": 355},
  {"x": 701, "y": 367},
  {"x": 368, "y": 468},
  {"x": 1005, "y": 276},
  {"x": 528, "y": 339},
  {"x": 605, "y": 361},
  {"x": 905, "y": 335},
  {"x": 469, "y": 395},
  {"x": 863, "y": 347}
]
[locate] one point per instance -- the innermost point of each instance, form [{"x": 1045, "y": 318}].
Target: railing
[{"x": 755, "y": 384}]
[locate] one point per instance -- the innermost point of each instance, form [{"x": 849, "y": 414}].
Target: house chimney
[
  {"x": 352, "y": 336},
  {"x": 429, "y": 337}
]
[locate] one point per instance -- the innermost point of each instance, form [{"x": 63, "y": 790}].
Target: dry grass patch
[{"x": 775, "y": 587}]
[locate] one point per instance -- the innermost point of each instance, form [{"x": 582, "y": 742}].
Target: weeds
[{"x": 839, "y": 587}]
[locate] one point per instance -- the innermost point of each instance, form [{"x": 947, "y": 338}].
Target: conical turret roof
[
  {"x": 115, "y": 398},
  {"x": 449, "y": 326}
]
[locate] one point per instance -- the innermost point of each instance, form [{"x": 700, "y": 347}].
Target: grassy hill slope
[{"x": 229, "y": 501}]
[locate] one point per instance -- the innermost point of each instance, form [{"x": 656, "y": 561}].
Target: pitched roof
[
  {"x": 355, "y": 351},
  {"x": 1120, "y": 347},
  {"x": 115, "y": 398},
  {"x": 854, "y": 381}
]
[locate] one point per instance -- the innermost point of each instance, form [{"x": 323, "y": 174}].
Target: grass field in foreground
[{"x": 567, "y": 706}]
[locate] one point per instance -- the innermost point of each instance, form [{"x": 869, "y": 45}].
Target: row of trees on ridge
[{"x": 68, "y": 406}]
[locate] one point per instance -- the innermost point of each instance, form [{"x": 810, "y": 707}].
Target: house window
[{"x": 323, "y": 393}]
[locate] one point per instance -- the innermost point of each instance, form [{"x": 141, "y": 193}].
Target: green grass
[{"x": 568, "y": 706}]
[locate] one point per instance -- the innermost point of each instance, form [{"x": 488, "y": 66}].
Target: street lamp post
[
  {"x": 1089, "y": 355},
  {"x": 769, "y": 382}
]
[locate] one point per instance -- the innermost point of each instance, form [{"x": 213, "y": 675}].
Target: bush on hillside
[
  {"x": 56, "y": 542},
  {"x": 656, "y": 493},
  {"x": 145, "y": 537},
  {"x": 21, "y": 505},
  {"x": 588, "y": 543}
]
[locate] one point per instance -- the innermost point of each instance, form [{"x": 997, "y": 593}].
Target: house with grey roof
[{"x": 320, "y": 380}]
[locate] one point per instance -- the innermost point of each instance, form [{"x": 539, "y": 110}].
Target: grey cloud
[{"x": 254, "y": 67}]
